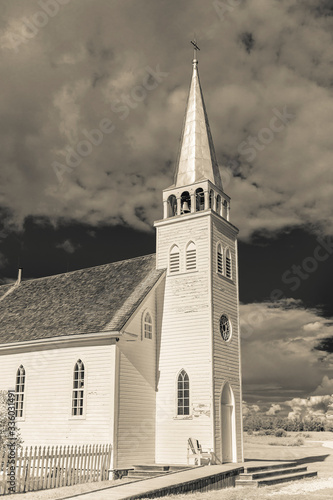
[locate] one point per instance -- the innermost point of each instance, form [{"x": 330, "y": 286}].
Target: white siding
[
  {"x": 48, "y": 390},
  {"x": 225, "y": 354},
  {"x": 185, "y": 342},
  {"x": 137, "y": 389}
]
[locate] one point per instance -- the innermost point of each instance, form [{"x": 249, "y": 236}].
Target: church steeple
[
  {"x": 196, "y": 246},
  {"x": 196, "y": 159},
  {"x": 197, "y": 185}
]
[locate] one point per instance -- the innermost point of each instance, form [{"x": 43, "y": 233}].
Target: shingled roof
[{"x": 90, "y": 300}]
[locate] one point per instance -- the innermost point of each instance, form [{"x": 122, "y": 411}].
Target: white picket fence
[{"x": 39, "y": 468}]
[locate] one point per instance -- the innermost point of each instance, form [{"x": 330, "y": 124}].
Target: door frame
[{"x": 232, "y": 422}]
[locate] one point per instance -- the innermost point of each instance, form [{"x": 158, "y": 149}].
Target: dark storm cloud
[
  {"x": 279, "y": 355},
  {"x": 325, "y": 345},
  {"x": 90, "y": 62},
  {"x": 116, "y": 74},
  {"x": 248, "y": 41}
]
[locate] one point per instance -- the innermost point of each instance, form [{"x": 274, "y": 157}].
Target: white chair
[{"x": 195, "y": 452}]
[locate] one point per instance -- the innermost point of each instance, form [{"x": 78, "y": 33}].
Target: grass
[
  {"x": 65, "y": 491},
  {"x": 267, "y": 493},
  {"x": 311, "y": 453}
]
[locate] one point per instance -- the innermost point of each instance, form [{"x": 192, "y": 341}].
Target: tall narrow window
[
  {"x": 174, "y": 259},
  {"x": 191, "y": 257},
  {"x": 78, "y": 389},
  {"x": 148, "y": 326},
  {"x": 219, "y": 259},
  {"x": 19, "y": 389},
  {"x": 228, "y": 266},
  {"x": 183, "y": 397}
]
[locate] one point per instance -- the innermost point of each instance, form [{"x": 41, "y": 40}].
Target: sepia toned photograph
[{"x": 166, "y": 249}]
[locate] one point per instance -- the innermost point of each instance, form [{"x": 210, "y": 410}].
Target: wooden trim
[
  {"x": 240, "y": 356},
  {"x": 116, "y": 408},
  {"x": 211, "y": 301},
  {"x": 145, "y": 298},
  {"x": 202, "y": 213},
  {"x": 65, "y": 341}
]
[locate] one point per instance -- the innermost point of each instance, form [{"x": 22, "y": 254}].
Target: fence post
[{"x": 61, "y": 466}]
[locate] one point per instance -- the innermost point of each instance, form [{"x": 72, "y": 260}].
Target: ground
[{"x": 316, "y": 453}]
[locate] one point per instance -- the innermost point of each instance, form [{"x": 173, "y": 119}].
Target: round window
[{"x": 225, "y": 327}]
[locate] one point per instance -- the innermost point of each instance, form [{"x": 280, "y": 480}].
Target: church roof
[
  {"x": 197, "y": 159},
  {"x": 91, "y": 300}
]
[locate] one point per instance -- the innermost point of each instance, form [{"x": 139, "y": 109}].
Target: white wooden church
[{"x": 142, "y": 353}]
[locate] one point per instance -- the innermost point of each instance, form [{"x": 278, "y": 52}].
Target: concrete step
[
  {"x": 271, "y": 473},
  {"x": 280, "y": 465},
  {"x": 162, "y": 467},
  {"x": 146, "y": 471},
  {"x": 176, "y": 468},
  {"x": 153, "y": 467},
  {"x": 275, "y": 480},
  {"x": 145, "y": 474}
]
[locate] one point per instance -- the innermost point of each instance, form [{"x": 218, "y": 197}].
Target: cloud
[
  {"x": 274, "y": 409},
  {"x": 325, "y": 344},
  {"x": 68, "y": 246},
  {"x": 315, "y": 406},
  {"x": 325, "y": 388},
  {"x": 312, "y": 327},
  {"x": 256, "y": 60},
  {"x": 279, "y": 359},
  {"x": 247, "y": 409}
]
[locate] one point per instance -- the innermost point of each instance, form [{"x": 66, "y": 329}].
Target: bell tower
[{"x": 198, "y": 354}]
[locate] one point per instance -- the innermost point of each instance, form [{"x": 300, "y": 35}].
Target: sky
[{"x": 92, "y": 100}]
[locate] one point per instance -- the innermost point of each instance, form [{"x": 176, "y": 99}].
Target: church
[{"x": 143, "y": 353}]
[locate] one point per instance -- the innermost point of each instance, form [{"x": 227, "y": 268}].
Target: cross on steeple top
[{"x": 196, "y": 48}]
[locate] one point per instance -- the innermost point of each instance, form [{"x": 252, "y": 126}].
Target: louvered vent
[
  {"x": 174, "y": 261},
  {"x": 219, "y": 261},
  {"x": 191, "y": 259},
  {"x": 228, "y": 265}
]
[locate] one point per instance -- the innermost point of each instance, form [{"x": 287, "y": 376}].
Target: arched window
[
  {"x": 185, "y": 202},
  {"x": 219, "y": 259},
  {"x": 191, "y": 257},
  {"x": 172, "y": 205},
  {"x": 147, "y": 326},
  {"x": 211, "y": 199},
  {"x": 183, "y": 394},
  {"x": 199, "y": 200},
  {"x": 78, "y": 389},
  {"x": 19, "y": 390},
  {"x": 228, "y": 264},
  {"x": 174, "y": 260},
  {"x": 218, "y": 204}
]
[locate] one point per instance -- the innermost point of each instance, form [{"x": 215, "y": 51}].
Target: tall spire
[{"x": 196, "y": 159}]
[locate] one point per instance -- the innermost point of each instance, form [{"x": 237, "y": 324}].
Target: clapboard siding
[
  {"x": 47, "y": 406},
  {"x": 226, "y": 357},
  {"x": 137, "y": 387},
  {"x": 185, "y": 342}
]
